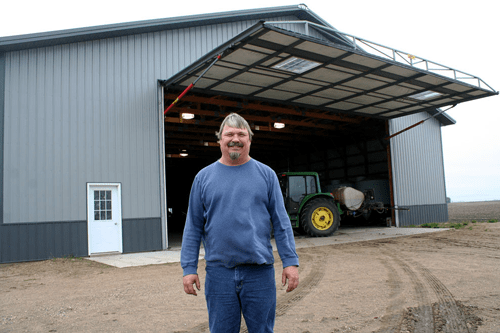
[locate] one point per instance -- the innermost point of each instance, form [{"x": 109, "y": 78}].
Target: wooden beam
[
  {"x": 272, "y": 109},
  {"x": 268, "y": 128},
  {"x": 181, "y": 142},
  {"x": 249, "y": 118}
]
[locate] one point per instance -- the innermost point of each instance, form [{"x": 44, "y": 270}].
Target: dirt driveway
[{"x": 446, "y": 281}]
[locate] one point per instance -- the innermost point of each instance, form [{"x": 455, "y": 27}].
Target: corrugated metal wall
[
  {"x": 87, "y": 112},
  {"x": 2, "y": 109},
  {"x": 418, "y": 170},
  {"x": 79, "y": 113},
  {"x": 36, "y": 241}
]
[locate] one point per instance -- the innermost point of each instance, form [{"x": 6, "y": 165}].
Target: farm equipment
[{"x": 318, "y": 213}]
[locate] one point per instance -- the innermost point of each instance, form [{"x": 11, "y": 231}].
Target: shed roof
[
  {"x": 330, "y": 77},
  {"x": 13, "y": 43}
]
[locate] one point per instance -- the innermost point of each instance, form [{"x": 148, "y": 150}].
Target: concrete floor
[{"x": 344, "y": 235}]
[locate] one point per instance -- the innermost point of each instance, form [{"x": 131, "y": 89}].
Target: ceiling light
[
  {"x": 279, "y": 125},
  {"x": 184, "y": 154},
  {"x": 187, "y": 116},
  {"x": 425, "y": 95},
  {"x": 296, "y": 65}
]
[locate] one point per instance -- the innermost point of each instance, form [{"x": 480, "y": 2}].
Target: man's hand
[
  {"x": 290, "y": 273},
  {"x": 188, "y": 281}
]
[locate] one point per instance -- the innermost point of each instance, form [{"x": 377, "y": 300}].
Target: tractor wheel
[{"x": 320, "y": 217}]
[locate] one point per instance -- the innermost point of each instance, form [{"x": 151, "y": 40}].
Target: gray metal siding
[
  {"x": 418, "y": 161},
  {"x": 78, "y": 113},
  {"x": 141, "y": 235},
  {"x": 417, "y": 164},
  {"x": 2, "y": 109},
  {"x": 38, "y": 241},
  {"x": 417, "y": 215},
  {"x": 87, "y": 112}
]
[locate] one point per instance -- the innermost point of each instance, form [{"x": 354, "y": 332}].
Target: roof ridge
[{"x": 40, "y": 39}]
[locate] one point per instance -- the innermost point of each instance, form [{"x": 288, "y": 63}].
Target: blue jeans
[{"x": 247, "y": 289}]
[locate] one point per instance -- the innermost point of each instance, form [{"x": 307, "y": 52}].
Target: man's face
[{"x": 235, "y": 143}]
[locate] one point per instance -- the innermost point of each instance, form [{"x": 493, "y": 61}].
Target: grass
[
  {"x": 444, "y": 225},
  {"x": 452, "y": 225}
]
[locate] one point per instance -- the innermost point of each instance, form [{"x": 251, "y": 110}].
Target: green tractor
[{"x": 311, "y": 211}]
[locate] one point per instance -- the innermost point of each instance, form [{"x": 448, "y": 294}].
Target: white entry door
[{"x": 104, "y": 213}]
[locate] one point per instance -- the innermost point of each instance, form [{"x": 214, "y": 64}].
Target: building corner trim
[{"x": 2, "y": 111}]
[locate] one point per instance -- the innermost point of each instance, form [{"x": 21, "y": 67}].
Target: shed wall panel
[
  {"x": 64, "y": 128},
  {"x": 87, "y": 112},
  {"x": 2, "y": 109},
  {"x": 418, "y": 168},
  {"x": 418, "y": 161},
  {"x": 140, "y": 235},
  {"x": 38, "y": 241},
  {"x": 417, "y": 215}
]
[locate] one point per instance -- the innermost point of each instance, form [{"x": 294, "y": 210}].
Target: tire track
[
  {"x": 447, "y": 308},
  {"x": 419, "y": 319},
  {"x": 391, "y": 320},
  {"x": 306, "y": 285},
  {"x": 422, "y": 316},
  {"x": 444, "y": 316}
]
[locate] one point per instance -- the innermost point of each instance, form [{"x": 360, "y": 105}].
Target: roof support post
[{"x": 163, "y": 182}]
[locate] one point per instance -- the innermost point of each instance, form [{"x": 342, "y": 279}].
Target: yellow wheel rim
[{"x": 322, "y": 218}]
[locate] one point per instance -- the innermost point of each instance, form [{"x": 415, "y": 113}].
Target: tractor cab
[
  {"x": 295, "y": 186},
  {"x": 301, "y": 191}
]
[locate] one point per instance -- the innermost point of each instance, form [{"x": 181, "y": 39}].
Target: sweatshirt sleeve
[
  {"x": 283, "y": 233},
  {"x": 193, "y": 231}
]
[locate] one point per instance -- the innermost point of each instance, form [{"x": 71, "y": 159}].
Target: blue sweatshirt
[{"x": 232, "y": 210}]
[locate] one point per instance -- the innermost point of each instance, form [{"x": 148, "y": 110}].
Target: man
[{"x": 234, "y": 205}]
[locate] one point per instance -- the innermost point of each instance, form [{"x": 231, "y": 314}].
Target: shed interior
[{"x": 344, "y": 150}]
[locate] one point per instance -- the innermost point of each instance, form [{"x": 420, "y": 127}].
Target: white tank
[{"x": 349, "y": 197}]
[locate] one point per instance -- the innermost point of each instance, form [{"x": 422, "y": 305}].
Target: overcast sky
[{"x": 461, "y": 35}]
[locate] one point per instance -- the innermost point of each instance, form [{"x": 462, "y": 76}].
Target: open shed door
[
  {"x": 333, "y": 98},
  {"x": 332, "y": 78}
]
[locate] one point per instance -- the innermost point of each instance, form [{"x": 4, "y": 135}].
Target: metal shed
[{"x": 85, "y": 139}]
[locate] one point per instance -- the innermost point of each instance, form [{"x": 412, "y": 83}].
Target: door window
[{"x": 102, "y": 205}]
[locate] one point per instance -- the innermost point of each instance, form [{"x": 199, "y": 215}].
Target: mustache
[{"x": 237, "y": 144}]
